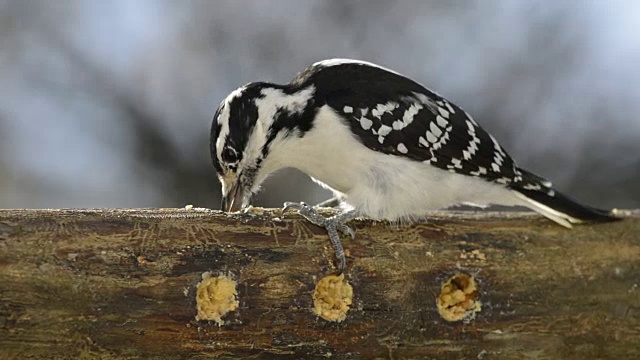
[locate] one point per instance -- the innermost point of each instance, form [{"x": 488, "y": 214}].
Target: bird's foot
[{"x": 332, "y": 224}]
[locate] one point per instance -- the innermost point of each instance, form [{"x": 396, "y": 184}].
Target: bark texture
[{"x": 123, "y": 283}]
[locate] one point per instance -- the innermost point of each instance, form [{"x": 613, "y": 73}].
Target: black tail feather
[{"x": 566, "y": 205}]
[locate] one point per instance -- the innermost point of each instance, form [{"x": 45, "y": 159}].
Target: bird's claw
[
  {"x": 292, "y": 206},
  {"x": 332, "y": 224},
  {"x": 306, "y": 211},
  {"x": 348, "y": 230}
]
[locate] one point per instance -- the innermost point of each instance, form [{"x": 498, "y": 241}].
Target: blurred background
[{"x": 109, "y": 103}]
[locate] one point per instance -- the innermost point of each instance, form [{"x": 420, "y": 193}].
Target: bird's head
[{"x": 250, "y": 133}]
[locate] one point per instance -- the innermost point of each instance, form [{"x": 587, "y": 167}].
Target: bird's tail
[{"x": 538, "y": 195}]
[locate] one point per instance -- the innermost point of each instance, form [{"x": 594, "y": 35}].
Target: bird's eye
[{"x": 229, "y": 155}]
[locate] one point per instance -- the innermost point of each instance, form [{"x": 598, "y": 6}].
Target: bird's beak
[{"x": 233, "y": 197}]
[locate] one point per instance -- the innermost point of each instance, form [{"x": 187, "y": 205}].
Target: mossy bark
[{"x": 122, "y": 284}]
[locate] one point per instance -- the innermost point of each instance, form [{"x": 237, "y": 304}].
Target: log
[{"x": 117, "y": 284}]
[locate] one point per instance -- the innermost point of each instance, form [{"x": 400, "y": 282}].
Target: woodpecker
[{"x": 387, "y": 147}]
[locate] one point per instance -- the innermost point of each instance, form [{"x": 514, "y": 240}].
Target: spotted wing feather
[{"x": 395, "y": 115}]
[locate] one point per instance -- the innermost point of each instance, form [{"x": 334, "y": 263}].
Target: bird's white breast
[{"x": 378, "y": 185}]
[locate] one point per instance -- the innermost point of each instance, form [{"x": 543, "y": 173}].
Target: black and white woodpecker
[{"x": 387, "y": 147}]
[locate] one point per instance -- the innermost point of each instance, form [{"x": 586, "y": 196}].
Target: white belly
[
  {"x": 377, "y": 185},
  {"x": 381, "y": 186},
  {"x": 403, "y": 189}
]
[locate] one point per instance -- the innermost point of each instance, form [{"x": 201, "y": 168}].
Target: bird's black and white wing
[{"x": 392, "y": 114}]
